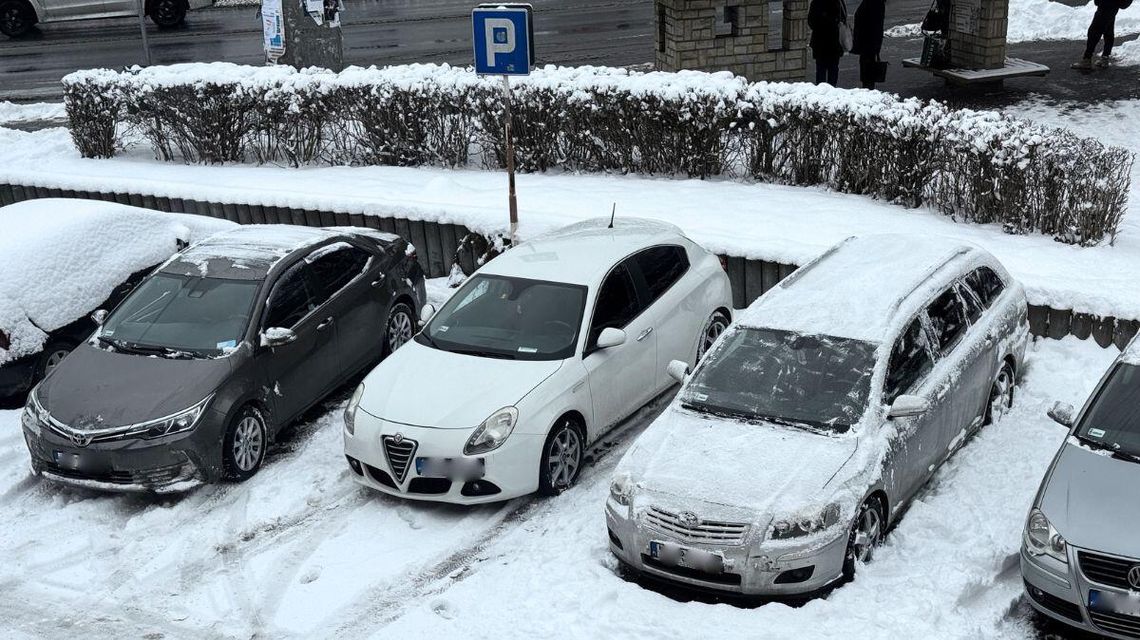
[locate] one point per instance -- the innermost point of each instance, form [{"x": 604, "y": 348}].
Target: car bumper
[
  {"x": 164, "y": 465},
  {"x": 750, "y": 568},
  {"x": 16, "y": 376},
  {"x": 1061, "y": 592},
  {"x": 508, "y": 472}
]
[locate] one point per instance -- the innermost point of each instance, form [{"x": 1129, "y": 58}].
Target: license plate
[
  {"x": 67, "y": 460},
  {"x": 1125, "y": 604},
  {"x": 465, "y": 469},
  {"x": 679, "y": 556}
]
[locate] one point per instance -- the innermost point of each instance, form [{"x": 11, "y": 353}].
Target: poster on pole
[{"x": 273, "y": 29}]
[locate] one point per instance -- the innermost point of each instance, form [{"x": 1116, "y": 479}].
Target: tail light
[{"x": 5, "y": 343}]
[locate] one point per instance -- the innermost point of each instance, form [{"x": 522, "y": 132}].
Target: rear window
[
  {"x": 948, "y": 319},
  {"x": 662, "y": 267},
  {"x": 985, "y": 284}
]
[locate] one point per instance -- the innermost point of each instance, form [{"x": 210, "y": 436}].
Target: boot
[{"x": 1083, "y": 64}]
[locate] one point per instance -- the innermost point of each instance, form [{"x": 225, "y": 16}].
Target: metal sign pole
[
  {"x": 142, "y": 30},
  {"x": 513, "y": 202}
]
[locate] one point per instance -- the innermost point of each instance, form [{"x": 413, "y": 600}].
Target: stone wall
[
  {"x": 977, "y": 33},
  {"x": 757, "y": 39}
]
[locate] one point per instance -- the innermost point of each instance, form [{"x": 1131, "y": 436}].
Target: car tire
[
  {"x": 243, "y": 448},
  {"x": 54, "y": 352},
  {"x": 167, "y": 14},
  {"x": 866, "y": 533},
  {"x": 1001, "y": 394},
  {"x": 16, "y": 18},
  {"x": 563, "y": 454},
  {"x": 399, "y": 328},
  {"x": 713, "y": 327}
]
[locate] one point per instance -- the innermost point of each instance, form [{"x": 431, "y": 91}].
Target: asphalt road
[{"x": 605, "y": 32}]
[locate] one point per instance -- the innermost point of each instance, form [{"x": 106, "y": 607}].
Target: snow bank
[
  {"x": 59, "y": 259},
  {"x": 11, "y": 112},
  {"x": 1031, "y": 20}
]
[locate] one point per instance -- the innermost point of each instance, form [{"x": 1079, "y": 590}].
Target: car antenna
[{"x": 612, "y": 214}]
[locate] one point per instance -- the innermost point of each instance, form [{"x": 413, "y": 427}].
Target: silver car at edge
[
  {"x": 1080, "y": 551},
  {"x": 17, "y": 17},
  {"x": 818, "y": 415}
]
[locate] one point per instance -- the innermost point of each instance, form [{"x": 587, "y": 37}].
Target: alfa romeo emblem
[
  {"x": 689, "y": 519},
  {"x": 1134, "y": 577},
  {"x": 398, "y": 438},
  {"x": 80, "y": 439}
]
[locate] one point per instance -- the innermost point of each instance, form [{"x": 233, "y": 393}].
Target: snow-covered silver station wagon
[{"x": 816, "y": 418}]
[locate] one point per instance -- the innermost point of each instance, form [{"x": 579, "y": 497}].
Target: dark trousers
[
  {"x": 868, "y": 69},
  {"x": 1103, "y": 24},
  {"x": 827, "y": 71}
]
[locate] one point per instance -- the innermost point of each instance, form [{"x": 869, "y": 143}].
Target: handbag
[
  {"x": 881, "y": 70},
  {"x": 846, "y": 39}
]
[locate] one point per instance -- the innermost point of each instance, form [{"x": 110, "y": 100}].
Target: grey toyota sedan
[
  {"x": 195, "y": 372},
  {"x": 1080, "y": 553}
]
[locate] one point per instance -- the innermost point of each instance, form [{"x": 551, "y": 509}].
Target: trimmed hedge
[{"x": 975, "y": 166}]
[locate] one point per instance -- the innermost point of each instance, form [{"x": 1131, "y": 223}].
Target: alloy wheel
[
  {"x": 564, "y": 457},
  {"x": 868, "y": 530},
  {"x": 54, "y": 358},
  {"x": 13, "y": 19},
  {"x": 399, "y": 329},
  {"x": 1001, "y": 395},
  {"x": 165, "y": 11},
  {"x": 716, "y": 326},
  {"x": 248, "y": 444}
]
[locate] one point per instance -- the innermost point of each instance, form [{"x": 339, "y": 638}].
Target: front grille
[
  {"x": 695, "y": 529},
  {"x": 399, "y": 454},
  {"x": 1116, "y": 623},
  {"x": 1106, "y": 570},
  {"x": 1059, "y": 606}
]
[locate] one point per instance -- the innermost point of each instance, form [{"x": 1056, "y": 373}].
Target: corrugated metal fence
[{"x": 436, "y": 245}]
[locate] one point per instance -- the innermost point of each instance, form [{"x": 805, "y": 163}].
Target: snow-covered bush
[{"x": 975, "y": 166}]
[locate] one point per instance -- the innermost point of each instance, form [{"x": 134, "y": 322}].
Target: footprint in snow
[
  {"x": 311, "y": 575},
  {"x": 444, "y": 609}
]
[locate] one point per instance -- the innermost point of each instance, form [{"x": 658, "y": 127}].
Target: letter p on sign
[{"x": 503, "y": 39}]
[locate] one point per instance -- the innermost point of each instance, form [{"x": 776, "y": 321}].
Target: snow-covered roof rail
[
  {"x": 799, "y": 273},
  {"x": 918, "y": 282}
]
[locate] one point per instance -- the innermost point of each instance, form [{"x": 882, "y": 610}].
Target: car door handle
[
  {"x": 645, "y": 334},
  {"x": 378, "y": 281},
  {"x": 326, "y": 324}
]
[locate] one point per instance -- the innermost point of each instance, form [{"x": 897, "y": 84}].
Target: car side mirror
[
  {"x": 611, "y": 337},
  {"x": 678, "y": 370},
  {"x": 277, "y": 336},
  {"x": 1062, "y": 413},
  {"x": 99, "y": 317},
  {"x": 426, "y": 312},
  {"x": 908, "y": 407}
]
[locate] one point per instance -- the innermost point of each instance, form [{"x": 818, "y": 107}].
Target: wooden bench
[{"x": 1013, "y": 68}]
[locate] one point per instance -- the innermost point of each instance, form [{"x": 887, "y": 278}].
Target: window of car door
[
  {"x": 334, "y": 267},
  {"x": 661, "y": 268},
  {"x": 948, "y": 321},
  {"x": 985, "y": 284},
  {"x": 911, "y": 361},
  {"x": 290, "y": 300},
  {"x": 617, "y": 304}
]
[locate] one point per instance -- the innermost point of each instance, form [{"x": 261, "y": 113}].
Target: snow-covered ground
[
  {"x": 11, "y": 113},
  {"x": 772, "y": 222},
  {"x": 301, "y": 551}
]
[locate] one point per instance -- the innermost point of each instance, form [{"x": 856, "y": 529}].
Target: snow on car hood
[
  {"x": 60, "y": 258},
  {"x": 771, "y": 471},
  {"x": 1091, "y": 500},
  {"x": 426, "y": 387}
]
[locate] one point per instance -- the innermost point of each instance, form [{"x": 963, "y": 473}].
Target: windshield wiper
[
  {"x": 755, "y": 418},
  {"x": 483, "y": 354}
]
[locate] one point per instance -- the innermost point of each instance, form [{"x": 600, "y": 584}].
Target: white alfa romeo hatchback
[{"x": 538, "y": 354}]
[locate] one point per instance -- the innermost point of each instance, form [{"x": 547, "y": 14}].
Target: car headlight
[
  {"x": 350, "y": 411},
  {"x": 493, "y": 432},
  {"x": 1042, "y": 539},
  {"x": 800, "y": 527},
  {"x": 177, "y": 423},
  {"x": 621, "y": 489},
  {"x": 34, "y": 416}
]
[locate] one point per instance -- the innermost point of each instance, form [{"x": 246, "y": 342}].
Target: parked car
[
  {"x": 539, "y": 353},
  {"x": 17, "y": 17},
  {"x": 60, "y": 259},
  {"x": 816, "y": 418},
  {"x": 1080, "y": 553},
  {"x": 192, "y": 376}
]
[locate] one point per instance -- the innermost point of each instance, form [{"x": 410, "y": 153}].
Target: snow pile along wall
[{"x": 974, "y": 166}]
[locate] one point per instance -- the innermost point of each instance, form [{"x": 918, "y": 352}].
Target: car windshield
[
  {"x": 770, "y": 376},
  {"x": 1113, "y": 419},
  {"x": 177, "y": 315},
  {"x": 503, "y": 317}
]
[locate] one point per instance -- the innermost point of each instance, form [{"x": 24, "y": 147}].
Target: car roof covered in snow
[
  {"x": 584, "y": 252},
  {"x": 857, "y": 288},
  {"x": 62, "y": 257},
  {"x": 248, "y": 252}
]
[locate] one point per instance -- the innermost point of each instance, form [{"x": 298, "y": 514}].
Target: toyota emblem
[
  {"x": 689, "y": 519},
  {"x": 398, "y": 438},
  {"x": 1134, "y": 577},
  {"x": 80, "y": 439}
]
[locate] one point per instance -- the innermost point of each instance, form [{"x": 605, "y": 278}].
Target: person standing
[
  {"x": 868, "y": 39},
  {"x": 825, "y": 18},
  {"x": 1103, "y": 26}
]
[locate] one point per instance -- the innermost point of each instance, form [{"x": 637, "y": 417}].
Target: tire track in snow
[{"x": 384, "y": 604}]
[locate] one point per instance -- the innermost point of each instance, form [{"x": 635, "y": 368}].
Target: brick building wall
[
  {"x": 757, "y": 39},
  {"x": 977, "y": 34}
]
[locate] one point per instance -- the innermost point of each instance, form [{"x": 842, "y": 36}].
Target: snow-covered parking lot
[{"x": 301, "y": 551}]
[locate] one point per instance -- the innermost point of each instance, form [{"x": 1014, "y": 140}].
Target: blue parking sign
[{"x": 503, "y": 38}]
